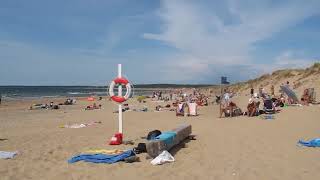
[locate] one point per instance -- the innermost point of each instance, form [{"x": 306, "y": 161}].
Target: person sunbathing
[
  {"x": 94, "y": 106},
  {"x": 227, "y": 108},
  {"x": 252, "y": 108},
  {"x": 305, "y": 99}
]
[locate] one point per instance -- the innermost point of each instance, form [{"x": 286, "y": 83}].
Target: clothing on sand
[
  {"x": 7, "y": 155},
  {"x": 312, "y": 143}
]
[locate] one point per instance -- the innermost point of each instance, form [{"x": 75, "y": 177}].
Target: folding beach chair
[
  {"x": 268, "y": 106},
  {"x": 312, "y": 95},
  {"x": 192, "y": 107},
  {"x": 180, "y": 109}
]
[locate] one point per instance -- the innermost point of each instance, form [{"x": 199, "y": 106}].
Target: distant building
[{"x": 224, "y": 80}]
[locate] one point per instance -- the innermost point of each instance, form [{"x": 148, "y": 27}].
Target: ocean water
[
  {"x": 32, "y": 92},
  {"x": 25, "y": 92}
]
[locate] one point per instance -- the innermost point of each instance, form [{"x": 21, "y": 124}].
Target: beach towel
[
  {"x": 192, "y": 109},
  {"x": 102, "y": 158},
  {"x": 312, "y": 143},
  {"x": 7, "y": 155},
  {"x": 105, "y": 151},
  {"x": 167, "y": 137},
  {"x": 267, "y": 117},
  {"x": 74, "y": 126}
]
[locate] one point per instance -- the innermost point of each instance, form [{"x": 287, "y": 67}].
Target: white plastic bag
[{"x": 162, "y": 158}]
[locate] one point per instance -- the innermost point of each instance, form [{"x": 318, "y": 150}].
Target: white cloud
[
  {"x": 291, "y": 59},
  {"x": 206, "y": 38}
]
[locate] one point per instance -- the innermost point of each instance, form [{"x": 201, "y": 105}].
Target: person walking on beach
[
  {"x": 0, "y": 98},
  {"x": 224, "y": 103}
]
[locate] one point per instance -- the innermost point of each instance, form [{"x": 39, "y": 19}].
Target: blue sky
[{"x": 80, "y": 42}]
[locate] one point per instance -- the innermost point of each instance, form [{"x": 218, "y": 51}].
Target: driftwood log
[{"x": 155, "y": 147}]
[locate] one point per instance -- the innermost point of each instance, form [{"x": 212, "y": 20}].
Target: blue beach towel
[
  {"x": 312, "y": 143},
  {"x": 101, "y": 158},
  {"x": 267, "y": 117},
  {"x": 167, "y": 137}
]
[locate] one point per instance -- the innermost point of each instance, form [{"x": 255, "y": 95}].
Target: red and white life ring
[{"x": 120, "y": 81}]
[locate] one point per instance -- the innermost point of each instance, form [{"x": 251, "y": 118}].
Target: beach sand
[{"x": 227, "y": 148}]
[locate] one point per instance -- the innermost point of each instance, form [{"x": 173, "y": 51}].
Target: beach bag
[
  {"x": 237, "y": 112},
  {"x": 162, "y": 158},
  {"x": 116, "y": 139},
  {"x": 153, "y": 134},
  {"x": 141, "y": 148}
]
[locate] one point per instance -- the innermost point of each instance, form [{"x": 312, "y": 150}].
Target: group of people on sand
[
  {"x": 52, "y": 105},
  {"x": 157, "y": 95},
  {"x": 261, "y": 102},
  {"x": 190, "y": 101},
  {"x": 227, "y": 106}
]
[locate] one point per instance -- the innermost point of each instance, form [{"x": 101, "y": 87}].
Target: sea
[{"x": 34, "y": 92}]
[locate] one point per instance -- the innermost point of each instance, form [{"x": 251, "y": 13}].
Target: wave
[{"x": 75, "y": 93}]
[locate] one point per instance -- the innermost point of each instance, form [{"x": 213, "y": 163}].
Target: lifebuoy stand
[
  {"x": 120, "y": 105},
  {"x": 117, "y": 138}
]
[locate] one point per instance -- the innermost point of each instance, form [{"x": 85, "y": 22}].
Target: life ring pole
[{"x": 120, "y": 94}]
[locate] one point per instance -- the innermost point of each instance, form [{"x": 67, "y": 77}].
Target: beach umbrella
[{"x": 290, "y": 93}]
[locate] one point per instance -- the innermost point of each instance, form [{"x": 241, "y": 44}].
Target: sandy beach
[
  {"x": 209, "y": 90},
  {"x": 227, "y": 148}
]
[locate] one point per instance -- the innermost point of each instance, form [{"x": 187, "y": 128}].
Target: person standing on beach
[
  {"x": 252, "y": 91},
  {"x": 272, "y": 90},
  {"x": 0, "y": 98},
  {"x": 260, "y": 91},
  {"x": 224, "y": 102},
  {"x": 288, "y": 84}
]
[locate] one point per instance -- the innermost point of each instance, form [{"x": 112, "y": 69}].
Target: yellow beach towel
[{"x": 105, "y": 151}]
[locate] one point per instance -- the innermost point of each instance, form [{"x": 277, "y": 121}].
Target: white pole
[{"x": 120, "y": 94}]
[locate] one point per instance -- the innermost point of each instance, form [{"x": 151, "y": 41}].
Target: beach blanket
[
  {"x": 7, "y": 155},
  {"x": 102, "y": 158},
  {"x": 167, "y": 137},
  {"x": 312, "y": 143}
]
